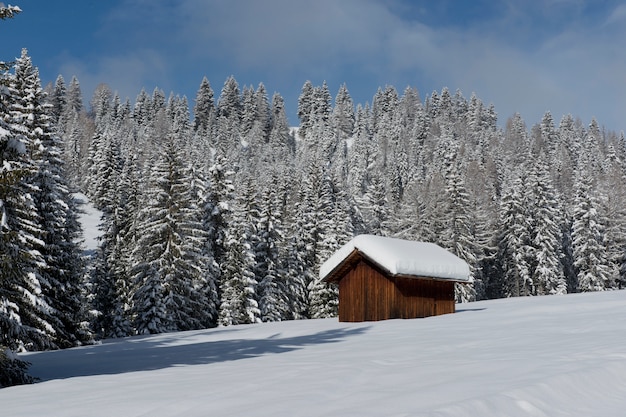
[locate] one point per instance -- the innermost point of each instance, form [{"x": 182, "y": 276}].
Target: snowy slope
[
  {"x": 89, "y": 218},
  {"x": 542, "y": 356}
]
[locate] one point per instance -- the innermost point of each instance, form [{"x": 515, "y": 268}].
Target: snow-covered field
[{"x": 543, "y": 356}]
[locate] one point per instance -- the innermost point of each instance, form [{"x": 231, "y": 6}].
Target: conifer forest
[{"x": 219, "y": 212}]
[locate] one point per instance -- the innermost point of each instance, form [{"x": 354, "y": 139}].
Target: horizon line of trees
[{"x": 221, "y": 214}]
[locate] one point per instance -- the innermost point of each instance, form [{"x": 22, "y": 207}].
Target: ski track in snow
[{"x": 542, "y": 356}]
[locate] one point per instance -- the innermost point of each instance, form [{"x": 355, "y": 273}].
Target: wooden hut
[{"x": 383, "y": 278}]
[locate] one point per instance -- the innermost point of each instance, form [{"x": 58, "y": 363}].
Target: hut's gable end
[{"x": 366, "y": 294}]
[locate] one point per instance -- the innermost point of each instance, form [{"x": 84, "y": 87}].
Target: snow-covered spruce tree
[
  {"x": 545, "y": 263},
  {"x": 73, "y": 139},
  {"x": 61, "y": 277},
  {"x": 462, "y": 236},
  {"x": 248, "y": 112},
  {"x": 385, "y": 129},
  {"x": 218, "y": 200},
  {"x": 375, "y": 207},
  {"x": 105, "y": 164},
  {"x": 458, "y": 236},
  {"x": 74, "y": 100},
  {"x": 612, "y": 188},
  {"x": 514, "y": 243},
  {"x": 589, "y": 249},
  {"x": 239, "y": 298},
  {"x": 58, "y": 101},
  {"x": 324, "y": 298},
  {"x": 273, "y": 301},
  {"x": 228, "y": 128},
  {"x": 343, "y": 116},
  {"x": 102, "y": 294},
  {"x": 255, "y": 128},
  {"x": 204, "y": 108},
  {"x": 333, "y": 230},
  {"x": 483, "y": 213},
  {"x": 166, "y": 270},
  {"x": 13, "y": 371},
  {"x": 24, "y": 318},
  {"x": 305, "y": 106},
  {"x": 264, "y": 110},
  {"x": 281, "y": 144},
  {"x": 204, "y": 243},
  {"x": 113, "y": 286},
  {"x": 361, "y": 155},
  {"x": 302, "y": 244}
]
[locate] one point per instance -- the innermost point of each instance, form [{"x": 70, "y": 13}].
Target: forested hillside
[{"x": 216, "y": 212}]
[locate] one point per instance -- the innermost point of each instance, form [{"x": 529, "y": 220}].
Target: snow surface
[
  {"x": 402, "y": 257},
  {"x": 89, "y": 219},
  {"x": 539, "y": 356}
]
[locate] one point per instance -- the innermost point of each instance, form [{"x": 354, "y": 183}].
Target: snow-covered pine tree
[
  {"x": 114, "y": 288},
  {"x": 263, "y": 112},
  {"x": 332, "y": 230},
  {"x": 203, "y": 212},
  {"x": 228, "y": 139},
  {"x": 613, "y": 189},
  {"x": 589, "y": 248},
  {"x": 166, "y": 270},
  {"x": 58, "y": 101},
  {"x": 281, "y": 143},
  {"x": 204, "y": 109},
  {"x": 305, "y": 108},
  {"x": 61, "y": 275},
  {"x": 74, "y": 98},
  {"x": 273, "y": 302},
  {"x": 239, "y": 297},
  {"x": 545, "y": 264},
  {"x": 513, "y": 243},
  {"x": 24, "y": 315},
  {"x": 458, "y": 235},
  {"x": 361, "y": 155},
  {"x": 375, "y": 207},
  {"x": 343, "y": 116},
  {"x": 248, "y": 110},
  {"x": 218, "y": 200}
]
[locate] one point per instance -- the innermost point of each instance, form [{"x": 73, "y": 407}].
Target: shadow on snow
[{"x": 152, "y": 352}]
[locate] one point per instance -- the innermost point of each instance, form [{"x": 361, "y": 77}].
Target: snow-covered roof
[{"x": 401, "y": 257}]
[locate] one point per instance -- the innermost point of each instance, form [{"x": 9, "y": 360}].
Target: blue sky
[{"x": 526, "y": 56}]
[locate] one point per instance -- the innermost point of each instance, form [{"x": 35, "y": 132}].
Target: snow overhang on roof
[{"x": 400, "y": 257}]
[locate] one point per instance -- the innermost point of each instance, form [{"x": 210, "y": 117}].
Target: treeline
[{"x": 219, "y": 213}]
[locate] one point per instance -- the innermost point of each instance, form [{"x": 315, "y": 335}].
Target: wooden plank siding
[{"x": 366, "y": 293}]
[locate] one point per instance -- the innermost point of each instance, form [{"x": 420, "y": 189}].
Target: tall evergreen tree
[
  {"x": 273, "y": 298},
  {"x": 168, "y": 264},
  {"x": 514, "y": 242},
  {"x": 589, "y": 248},
  {"x": 61, "y": 277},
  {"x": 546, "y": 267},
  {"x": 239, "y": 284},
  {"x": 24, "y": 314}
]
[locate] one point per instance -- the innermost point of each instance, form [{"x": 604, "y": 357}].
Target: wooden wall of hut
[{"x": 367, "y": 294}]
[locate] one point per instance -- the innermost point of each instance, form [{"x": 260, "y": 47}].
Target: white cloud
[
  {"x": 123, "y": 73},
  {"x": 529, "y": 58}
]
